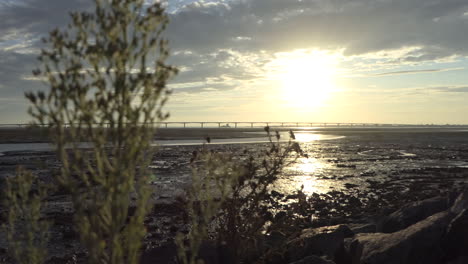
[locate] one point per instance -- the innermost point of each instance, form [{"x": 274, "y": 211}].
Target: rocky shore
[
  {"x": 429, "y": 231},
  {"x": 378, "y": 198}
]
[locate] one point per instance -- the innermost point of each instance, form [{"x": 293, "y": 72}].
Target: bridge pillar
[
  {"x": 219, "y": 125},
  {"x": 201, "y": 124},
  {"x": 165, "y": 124},
  {"x": 184, "y": 125},
  {"x": 251, "y": 125},
  {"x": 235, "y": 124}
]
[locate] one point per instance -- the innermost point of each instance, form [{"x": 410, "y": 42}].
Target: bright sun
[{"x": 307, "y": 77}]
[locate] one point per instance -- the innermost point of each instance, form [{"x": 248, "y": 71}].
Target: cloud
[
  {"x": 358, "y": 26},
  {"x": 36, "y": 17},
  {"x": 450, "y": 89},
  {"x": 416, "y": 71},
  {"x": 218, "y": 69},
  {"x": 437, "y": 91},
  {"x": 225, "y": 44}
]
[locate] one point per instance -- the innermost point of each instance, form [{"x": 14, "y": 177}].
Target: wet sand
[{"x": 39, "y": 135}]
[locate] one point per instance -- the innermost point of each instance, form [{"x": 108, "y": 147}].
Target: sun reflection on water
[
  {"x": 307, "y": 137},
  {"x": 307, "y": 165},
  {"x": 307, "y": 169},
  {"x": 304, "y": 173},
  {"x": 311, "y": 174}
]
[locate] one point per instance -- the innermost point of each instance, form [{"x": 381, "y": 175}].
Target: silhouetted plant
[
  {"x": 230, "y": 201},
  {"x": 27, "y": 231},
  {"x": 107, "y": 76}
]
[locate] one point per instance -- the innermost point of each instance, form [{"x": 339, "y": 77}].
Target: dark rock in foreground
[
  {"x": 412, "y": 213},
  {"x": 419, "y": 243},
  {"x": 323, "y": 241},
  {"x": 441, "y": 236},
  {"x": 313, "y": 260}
]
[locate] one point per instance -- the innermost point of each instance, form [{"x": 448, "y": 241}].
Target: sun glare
[{"x": 307, "y": 77}]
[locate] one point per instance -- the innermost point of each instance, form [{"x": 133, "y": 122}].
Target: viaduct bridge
[{"x": 229, "y": 124}]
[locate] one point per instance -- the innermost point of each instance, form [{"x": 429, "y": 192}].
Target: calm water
[{"x": 300, "y": 137}]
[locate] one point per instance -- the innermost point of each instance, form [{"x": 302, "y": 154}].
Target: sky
[{"x": 371, "y": 61}]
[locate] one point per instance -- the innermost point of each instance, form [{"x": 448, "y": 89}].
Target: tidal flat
[{"x": 352, "y": 175}]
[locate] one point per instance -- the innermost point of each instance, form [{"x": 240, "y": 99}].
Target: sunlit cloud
[{"x": 417, "y": 71}]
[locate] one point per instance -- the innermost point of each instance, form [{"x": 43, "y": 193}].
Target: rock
[
  {"x": 455, "y": 241},
  {"x": 350, "y": 252},
  {"x": 461, "y": 203},
  {"x": 363, "y": 228},
  {"x": 313, "y": 260},
  {"x": 419, "y": 243},
  {"x": 275, "y": 239},
  {"x": 460, "y": 260},
  {"x": 411, "y": 214},
  {"x": 322, "y": 241}
]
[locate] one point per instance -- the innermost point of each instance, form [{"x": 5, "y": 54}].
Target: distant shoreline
[{"x": 39, "y": 135}]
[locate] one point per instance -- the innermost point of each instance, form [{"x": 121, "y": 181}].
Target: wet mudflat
[{"x": 363, "y": 175}]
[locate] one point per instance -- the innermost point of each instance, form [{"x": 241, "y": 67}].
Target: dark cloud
[
  {"x": 15, "y": 73},
  {"x": 359, "y": 26},
  {"x": 36, "y": 17},
  {"x": 22, "y": 25}
]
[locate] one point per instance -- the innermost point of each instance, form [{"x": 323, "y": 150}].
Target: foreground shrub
[
  {"x": 107, "y": 78},
  {"x": 27, "y": 231}
]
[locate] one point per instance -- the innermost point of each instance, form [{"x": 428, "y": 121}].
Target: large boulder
[
  {"x": 322, "y": 241},
  {"x": 350, "y": 252},
  {"x": 313, "y": 260},
  {"x": 363, "y": 228},
  {"x": 459, "y": 260},
  {"x": 419, "y": 243},
  {"x": 455, "y": 242},
  {"x": 461, "y": 203},
  {"x": 412, "y": 214}
]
